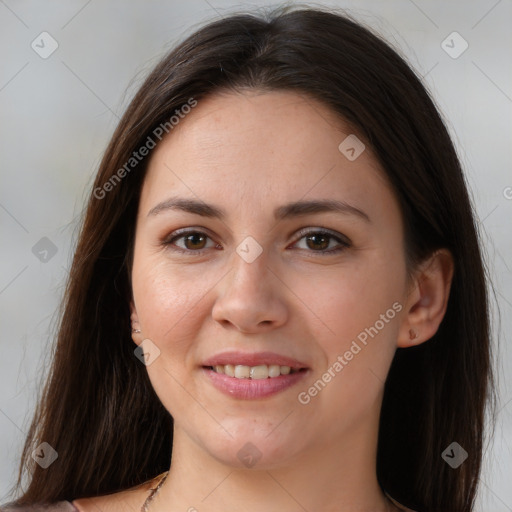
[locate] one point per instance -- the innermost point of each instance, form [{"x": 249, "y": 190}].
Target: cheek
[
  {"x": 168, "y": 307},
  {"x": 353, "y": 300},
  {"x": 359, "y": 309},
  {"x": 168, "y": 304},
  {"x": 166, "y": 298}
]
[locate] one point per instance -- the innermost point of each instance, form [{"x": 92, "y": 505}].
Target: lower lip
[{"x": 252, "y": 389}]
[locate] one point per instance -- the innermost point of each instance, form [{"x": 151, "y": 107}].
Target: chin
[{"x": 254, "y": 449}]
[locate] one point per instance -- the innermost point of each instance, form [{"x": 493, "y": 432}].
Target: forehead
[{"x": 252, "y": 145}]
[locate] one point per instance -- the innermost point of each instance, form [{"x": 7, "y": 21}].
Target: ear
[
  {"x": 427, "y": 300},
  {"x": 134, "y": 318}
]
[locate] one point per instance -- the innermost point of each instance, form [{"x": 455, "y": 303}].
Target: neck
[{"x": 330, "y": 477}]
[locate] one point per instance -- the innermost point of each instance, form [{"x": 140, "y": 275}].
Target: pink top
[
  {"x": 67, "y": 506},
  {"x": 61, "y": 506}
]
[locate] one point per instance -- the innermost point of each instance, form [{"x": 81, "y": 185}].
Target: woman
[{"x": 281, "y": 226}]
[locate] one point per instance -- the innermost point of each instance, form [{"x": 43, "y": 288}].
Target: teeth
[
  {"x": 274, "y": 370},
  {"x": 258, "y": 372},
  {"x": 261, "y": 371},
  {"x": 242, "y": 372}
]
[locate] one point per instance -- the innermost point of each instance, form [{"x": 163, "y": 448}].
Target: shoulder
[
  {"x": 398, "y": 505},
  {"x": 61, "y": 506},
  {"x": 130, "y": 499}
]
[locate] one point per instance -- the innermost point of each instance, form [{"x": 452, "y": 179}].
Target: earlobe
[
  {"x": 427, "y": 300},
  {"x": 134, "y": 318}
]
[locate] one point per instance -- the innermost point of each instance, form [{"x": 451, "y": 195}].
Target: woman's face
[{"x": 260, "y": 278}]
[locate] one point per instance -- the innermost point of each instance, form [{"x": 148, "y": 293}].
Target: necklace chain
[{"x": 154, "y": 492}]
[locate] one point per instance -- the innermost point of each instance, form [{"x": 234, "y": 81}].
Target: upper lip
[{"x": 253, "y": 359}]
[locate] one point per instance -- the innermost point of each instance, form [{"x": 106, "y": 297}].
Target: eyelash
[{"x": 302, "y": 233}]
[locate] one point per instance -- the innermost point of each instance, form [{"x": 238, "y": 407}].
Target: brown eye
[
  {"x": 320, "y": 241},
  {"x": 194, "y": 241},
  {"x": 189, "y": 241}
]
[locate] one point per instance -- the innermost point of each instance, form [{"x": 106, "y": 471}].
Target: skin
[{"x": 248, "y": 153}]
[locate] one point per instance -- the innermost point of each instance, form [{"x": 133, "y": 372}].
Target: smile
[
  {"x": 251, "y": 376},
  {"x": 261, "y": 371}
]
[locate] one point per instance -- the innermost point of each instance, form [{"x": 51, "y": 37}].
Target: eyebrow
[{"x": 294, "y": 209}]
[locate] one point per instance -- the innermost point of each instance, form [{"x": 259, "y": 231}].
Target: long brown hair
[{"x": 98, "y": 409}]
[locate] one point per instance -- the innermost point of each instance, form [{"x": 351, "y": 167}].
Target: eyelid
[
  {"x": 182, "y": 232},
  {"x": 319, "y": 229},
  {"x": 343, "y": 242}
]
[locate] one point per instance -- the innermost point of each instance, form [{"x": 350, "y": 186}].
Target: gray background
[{"x": 58, "y": 113}]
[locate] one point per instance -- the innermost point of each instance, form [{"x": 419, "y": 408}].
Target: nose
[{"x": 251, "y": 297}]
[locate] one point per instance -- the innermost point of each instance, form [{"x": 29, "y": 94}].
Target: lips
[
  {"x": 255, "y": 359},
  {"x": 252, "y": 376}
]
